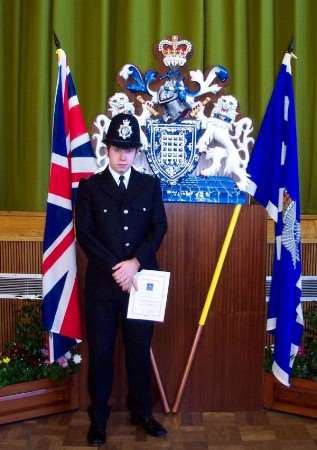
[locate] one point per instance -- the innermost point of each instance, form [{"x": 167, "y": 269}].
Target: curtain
[{"x": 248, "y": 37}]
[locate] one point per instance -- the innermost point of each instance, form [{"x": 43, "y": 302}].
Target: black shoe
[
  {"x": 149, "y": 425},
  {"x": 96, "y": 435}
]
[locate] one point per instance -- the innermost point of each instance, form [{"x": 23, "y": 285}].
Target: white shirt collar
[{"x": 116, "y": 176}]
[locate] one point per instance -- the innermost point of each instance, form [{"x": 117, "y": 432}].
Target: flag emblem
[{"x": 291, "y": 230}]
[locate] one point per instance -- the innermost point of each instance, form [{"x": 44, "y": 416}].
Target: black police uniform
[{"x": 111, "y": 228}]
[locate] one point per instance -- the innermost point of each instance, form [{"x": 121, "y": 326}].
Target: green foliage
[
  {"x": 26, "y": 358},
  {"x": 305, "y": 363}
]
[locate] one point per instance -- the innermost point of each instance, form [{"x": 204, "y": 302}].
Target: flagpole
[
  {"x": 57, "y": 41},
  {"x": 291, "y": 45},
  {"x": 207, "y": 305},
  {"x": 165, "y": 403},
  {"x": 58, "y": 46}
]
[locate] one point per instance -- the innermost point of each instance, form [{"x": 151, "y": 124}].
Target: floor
[{"x": 262, "y": 430}]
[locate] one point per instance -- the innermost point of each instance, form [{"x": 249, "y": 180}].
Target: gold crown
[{"x": 174, "y": 52}]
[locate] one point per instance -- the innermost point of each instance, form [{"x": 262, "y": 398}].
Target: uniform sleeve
[
  {"x": 157, "y": 229},
  {"x": 85, "y": 231}
]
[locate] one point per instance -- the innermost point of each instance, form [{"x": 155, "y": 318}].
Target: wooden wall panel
[
  {"x": 228, "y": 339},
  {"x": 21, "y": 226},
  {"x": 9, "y": 316},
  {"x": 20, "y": 257},
  {"x": 16, "y": 257},
  {"x": 29, "y": 226},
  {"x": 309, "y": 258}
]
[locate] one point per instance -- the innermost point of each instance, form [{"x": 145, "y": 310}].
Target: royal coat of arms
[{"x": 194, "y": 138}]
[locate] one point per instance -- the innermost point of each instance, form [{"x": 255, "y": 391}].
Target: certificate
[{"x": 149, "y": 301}]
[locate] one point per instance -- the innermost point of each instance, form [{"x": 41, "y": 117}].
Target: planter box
[
  {"x": 300, "y": 398},
  {"x": 37, "y": 398}
]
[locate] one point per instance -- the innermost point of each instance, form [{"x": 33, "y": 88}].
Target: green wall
[{"x": 249, "y": 37}]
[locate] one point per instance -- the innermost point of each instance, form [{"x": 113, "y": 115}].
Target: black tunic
[{"x": 111, "y": 228}]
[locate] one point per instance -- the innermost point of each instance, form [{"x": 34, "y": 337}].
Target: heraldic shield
[
  {"x": 193, "y": 135},
  {"x": 172, "y": 153}
]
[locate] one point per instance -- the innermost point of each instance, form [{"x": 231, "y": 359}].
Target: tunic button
[
  {"x": 125, "y": 228},
  {"x": 127, "y": 244},
  {"x": 144, "y": 209},
  {"x": 125, "y": 211},
  {"x": 105, "y": 210}
]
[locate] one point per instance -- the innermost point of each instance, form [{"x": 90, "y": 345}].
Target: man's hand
[{"x": 124, "y": 274}]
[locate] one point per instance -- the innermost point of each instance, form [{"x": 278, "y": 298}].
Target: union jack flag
[{"x": 72, "y": 158}]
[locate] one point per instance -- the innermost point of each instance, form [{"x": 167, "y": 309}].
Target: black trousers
[{"x": 102, "y": 322}]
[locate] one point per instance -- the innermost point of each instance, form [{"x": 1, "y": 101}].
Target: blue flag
[{"x": 273, "y": 171}]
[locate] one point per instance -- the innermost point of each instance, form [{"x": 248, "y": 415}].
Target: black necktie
[{"x": 122, "y": 187}]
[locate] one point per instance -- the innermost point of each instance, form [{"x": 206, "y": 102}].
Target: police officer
[{"x": 120, "y": 223}]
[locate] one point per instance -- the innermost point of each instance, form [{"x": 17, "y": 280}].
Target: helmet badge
[{"x": 125, "y": 130}]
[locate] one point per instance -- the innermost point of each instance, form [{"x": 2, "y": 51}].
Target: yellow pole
[
  {"x": 208, "y": 301},
  {"x": 218, "y": 269}
]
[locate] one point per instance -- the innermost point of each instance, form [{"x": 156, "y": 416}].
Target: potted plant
[
  {"x": 29, "y": 385},
  {"x": 301, "y": 396}
]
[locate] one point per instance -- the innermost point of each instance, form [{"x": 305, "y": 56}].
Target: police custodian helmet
[{"x": 123, "y": 132}]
